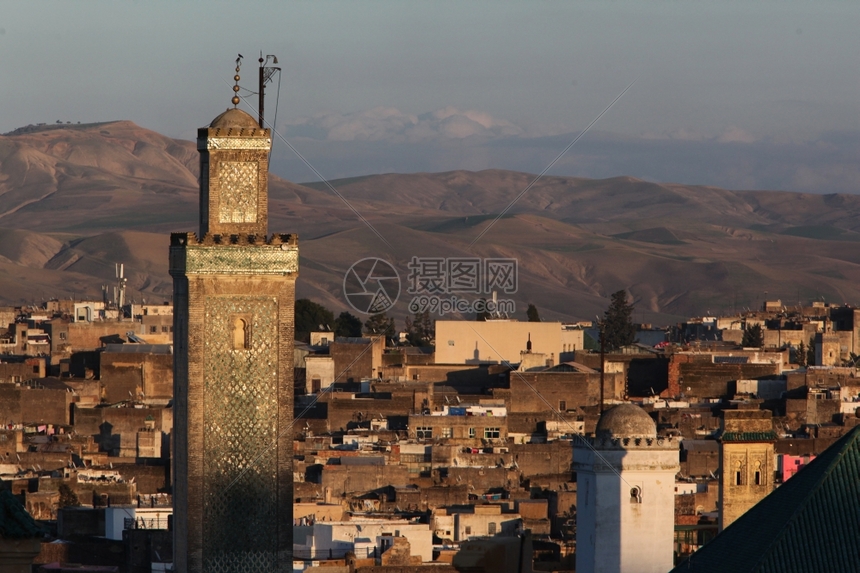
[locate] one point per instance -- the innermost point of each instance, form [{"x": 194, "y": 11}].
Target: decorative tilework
[
  {"x": 237, "y": 181},
  {"x": 238, "y": 143},
  {"x": 240, "y": 436},
  {"x": 235, "y": 260}
]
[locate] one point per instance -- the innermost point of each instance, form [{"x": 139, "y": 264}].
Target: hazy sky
[{"x": 740, "y": 94}]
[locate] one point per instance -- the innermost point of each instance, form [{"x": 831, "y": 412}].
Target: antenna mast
[
  {"x": 266, "y": 73},
  {"x": 119, "y": 290}
]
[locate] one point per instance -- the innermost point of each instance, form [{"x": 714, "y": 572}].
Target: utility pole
[
  {"x": 266, "y": 73},
  {"x": 602, "y": 363}
]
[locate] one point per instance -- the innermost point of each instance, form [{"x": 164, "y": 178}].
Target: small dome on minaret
[
  {"x": 234, "y": 117},
  {"x": 626, "y": 421}
]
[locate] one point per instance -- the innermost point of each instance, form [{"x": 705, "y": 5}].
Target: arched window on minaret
[{"x": 241, "y": 334}]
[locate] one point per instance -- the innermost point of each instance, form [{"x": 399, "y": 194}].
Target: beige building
[
  {"x": 322, "y": 338},
  {"x": 466, "y": 424},
  {"x": 319, "y": 372},
  {"x": 498, "y": 341},
  {"x": 572, "y": 339},
  {"x": 477, "y": 521}
]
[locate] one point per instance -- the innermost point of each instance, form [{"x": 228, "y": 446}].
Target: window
[
  {"x": 737, "y": 478},
  {"x": 62, "y": 336},
  {"x": 758, "y": 478},
  {"x": 153, "y": 329},
  {"x": 471, "y": 432},
  {"x": 447, "y": 433},
  {"x": 164, "y": 329},
  {"x": 562, "y": 406},
  {"x": 423, "y": 432},
  {"x": 468, "y": 530},
  {"x": 491, "y": 528},
  {"x": 36, "y": 369},
  {"x": 491, "y": 433},
  {"x": 241, "y": 334}
]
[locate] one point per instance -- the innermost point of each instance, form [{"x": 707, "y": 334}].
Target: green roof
[
  {"x": 810, "y": 523},
  {"x": 749, "y": 437},
  {"x": 15, "y": 522}
]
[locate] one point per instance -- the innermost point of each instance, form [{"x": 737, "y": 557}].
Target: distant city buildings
[{"x": 456, "y": 466}]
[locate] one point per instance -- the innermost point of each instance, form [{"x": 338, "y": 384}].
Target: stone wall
[
  {"x": 698, "y": 377},
  {"x": 530, "y": 391},
  {"x": 344, "y": 412},
  {"x": 352, "y": 478},
  {"x": 139, "y": 375},
  {"x": 34, "y": 405}
]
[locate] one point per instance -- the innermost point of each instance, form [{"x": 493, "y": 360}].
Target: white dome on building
[{"x": 626, "y": 421}]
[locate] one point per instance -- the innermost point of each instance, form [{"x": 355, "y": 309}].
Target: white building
[
  {"x": 120, "y": 518},
  {"x": 626, "y": 506},
  {"x": 332, "y": 539}
]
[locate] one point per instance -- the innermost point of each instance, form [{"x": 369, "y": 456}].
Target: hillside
[{"x": 76, "y": 199}]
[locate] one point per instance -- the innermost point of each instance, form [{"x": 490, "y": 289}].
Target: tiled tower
[
  {"x": 234, "y": 294},
  {"x": 746, "y": 461}
]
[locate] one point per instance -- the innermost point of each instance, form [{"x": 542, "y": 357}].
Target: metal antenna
[{"x": 266, "y": 73}]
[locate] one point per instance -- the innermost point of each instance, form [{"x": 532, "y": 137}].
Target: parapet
[
  {"x": 604, "y": 442},
  {"x": 236, "y": 254},
  {"x": 242, "y": 239}
]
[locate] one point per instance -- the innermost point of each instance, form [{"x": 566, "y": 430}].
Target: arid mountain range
[{"x": 76, "y": 199}]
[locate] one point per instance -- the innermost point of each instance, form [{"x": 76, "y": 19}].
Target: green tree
[
  {"x": 420, "y": 330},
  {"x": 68, "y": 498},
  {"x": 532, "y": 313},
  {"x": 753, "y": 337},
  {"x": 380, "y": 324},
  {"x": 347, "y": 325},
  {"x": 588, "y": 343},
  {"x": 311, "y": 317},
  {"x": 800, "y": 355},
  {"x": 617, "y": 323}
]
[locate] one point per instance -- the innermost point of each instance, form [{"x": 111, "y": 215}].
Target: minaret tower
[
  {"x": 746, "y": 461},
  {"x": 234, "y": 295},
  {"x": 625, "y": 507}
]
